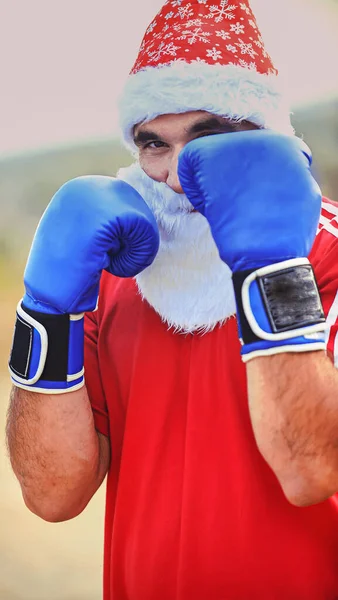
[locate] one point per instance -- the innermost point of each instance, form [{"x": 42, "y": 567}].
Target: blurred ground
[{"x": 38, "y": 560}]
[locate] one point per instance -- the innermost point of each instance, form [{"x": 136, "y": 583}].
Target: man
[{"x": 218, "y": 434}]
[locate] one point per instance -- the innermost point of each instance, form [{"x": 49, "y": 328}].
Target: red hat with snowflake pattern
[{"x": 204, "y": 55}]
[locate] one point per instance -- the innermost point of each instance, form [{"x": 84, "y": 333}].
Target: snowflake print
[
  {"x": 151, "y": 27},
  {"x": 163, "y": 50},
  {"x": 142, "y": 47},
  {"x": 196, "y": 35},
  {"x": 225, "y": 35},
  {"x": 251, "y": 66},
  {"x": 137, "y": 66},
  {"x": 246, "y": 48},
  {"x": 223, "y": 11},
  {"x": 149, "y": 47},
  {"x": 178, "y": 26},
  {"x": 214, "y": 53},
  {"x": 245, "y": 8},
  {"x": 194, "y": 23},
  {"x": 187, "y": 25},
  {"x": 242, "y": 63},
  {"x": 157, "y": 36},
  {"x": 264, "y": 51},
  {"x": 222, "y": 27},
  {"x": 184, "y": 12},
  {"x": 260, "y": 44},
  {"x": 237, "y": 28}
]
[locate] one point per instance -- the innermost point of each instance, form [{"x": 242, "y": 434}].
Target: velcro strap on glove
[
  {"x": 279, "y": 309},
  {"x": 47, "y": 351}
]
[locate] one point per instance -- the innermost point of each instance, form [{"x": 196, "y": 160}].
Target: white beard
[{"x": 188, "y": 284}]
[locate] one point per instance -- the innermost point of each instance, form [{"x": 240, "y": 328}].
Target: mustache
[
  {"x": 161, "y": 199},
  {"x": 167, "y": 200}
]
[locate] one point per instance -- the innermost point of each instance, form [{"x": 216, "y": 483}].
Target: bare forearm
[
  {"x": 55, "y": 451},
  {"x": 293, "y": 403}
]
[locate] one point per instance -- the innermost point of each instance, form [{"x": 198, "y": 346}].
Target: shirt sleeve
[
  {"x": 324, "y": 258},
  {"x": 93, "y": 376}
]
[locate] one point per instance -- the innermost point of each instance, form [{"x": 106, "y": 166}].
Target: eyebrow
[
  {"x": 209, "y": 124},
  {"x": 212, "y": 124},
  {"x": 142, "y": 137}
]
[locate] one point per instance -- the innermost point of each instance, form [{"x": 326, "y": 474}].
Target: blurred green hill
[
  {"x": 28, "y": 181},
  {"x": 318, "y": 126}
]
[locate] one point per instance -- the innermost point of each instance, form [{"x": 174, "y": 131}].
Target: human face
[{"x": 160, "y": 141}]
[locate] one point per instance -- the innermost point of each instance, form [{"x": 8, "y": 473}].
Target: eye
[{"x": 155, "y": 144}]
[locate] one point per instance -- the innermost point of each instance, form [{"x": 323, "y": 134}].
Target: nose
[{"x": 172, "y": 178}]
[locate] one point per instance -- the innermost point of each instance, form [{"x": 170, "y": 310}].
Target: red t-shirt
[{"x": 193, "y": 511}]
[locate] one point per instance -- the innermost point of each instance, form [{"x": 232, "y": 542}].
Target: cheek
[{"x": 154, "y": 167}]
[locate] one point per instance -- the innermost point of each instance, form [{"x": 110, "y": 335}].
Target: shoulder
[
  {"x": 327, "y": 232},
  {"x": 328, "y": 221},
  {"x": 324, "y": 252},
  {"x": 114, "y": 290},
  {"x": 116, "y": 296}
]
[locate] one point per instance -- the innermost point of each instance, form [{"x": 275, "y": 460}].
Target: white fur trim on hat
[{"x": 230, "y": 91}]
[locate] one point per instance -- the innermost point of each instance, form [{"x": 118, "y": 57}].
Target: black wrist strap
[
  {"x": 56, "y": 328},
  {"x": 289, "y": 298}
]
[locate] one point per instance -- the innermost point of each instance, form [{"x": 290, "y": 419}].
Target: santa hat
[{"x": 204, "y": 55}]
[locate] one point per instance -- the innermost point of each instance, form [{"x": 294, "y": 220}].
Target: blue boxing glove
[
  {"x": 262, "y": 203},
  {"x": 91, "y": 224}
]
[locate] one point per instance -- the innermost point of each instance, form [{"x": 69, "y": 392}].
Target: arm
[
  {"x": 57, "y": 455},
  {"x": 293, "y": 403},
  {"x": 264, "y": 224},
  {"x": 293, "y": 397}
]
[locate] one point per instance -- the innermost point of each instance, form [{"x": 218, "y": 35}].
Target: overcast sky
[{"x": 63, "y": 62}]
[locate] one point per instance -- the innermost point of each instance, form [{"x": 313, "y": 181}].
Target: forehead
[{"x": 178, "y": 122}]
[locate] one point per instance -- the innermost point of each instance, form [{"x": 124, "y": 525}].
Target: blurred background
[{"x": 62, "y": 66}]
